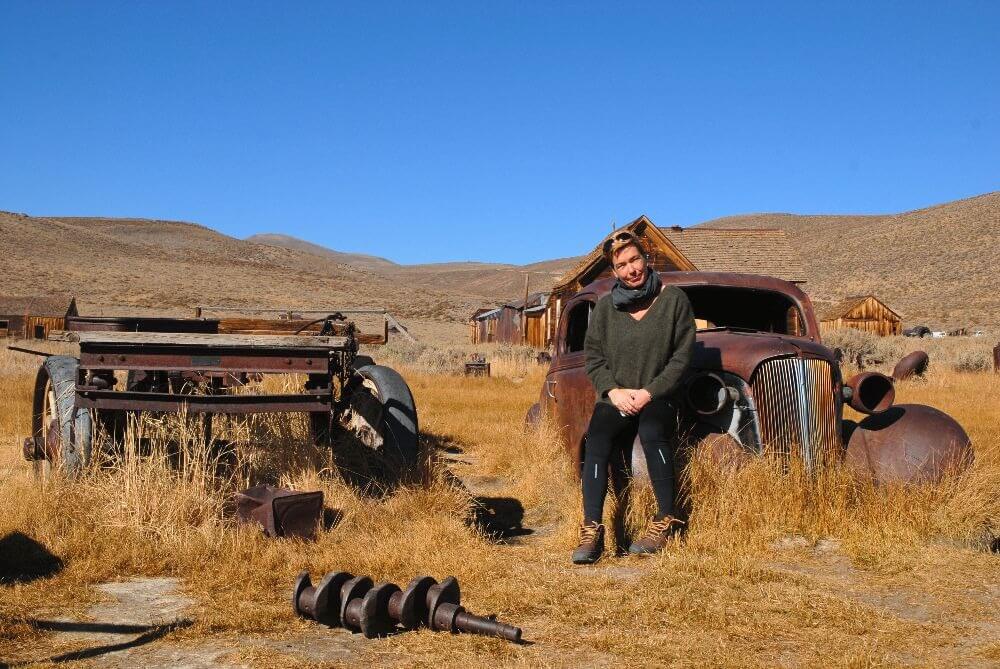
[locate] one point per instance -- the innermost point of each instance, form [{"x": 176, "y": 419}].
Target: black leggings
[{"x": 611, "y": 433}]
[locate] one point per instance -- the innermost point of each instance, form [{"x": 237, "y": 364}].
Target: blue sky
[{"x": 492, "y": 131}]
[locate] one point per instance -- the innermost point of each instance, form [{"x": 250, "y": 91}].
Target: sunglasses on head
[{"x": 623, "y": 236}]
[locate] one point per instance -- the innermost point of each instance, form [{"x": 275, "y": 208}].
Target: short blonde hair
[{"x": 616, "y": 241}]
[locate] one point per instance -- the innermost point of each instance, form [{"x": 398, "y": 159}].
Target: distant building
[
  {"x": 33, "y": 317},
  {"x": 862, "y": 312},
  {"x": 749, "y": 251},
  {"x": 518, "y": 322}
]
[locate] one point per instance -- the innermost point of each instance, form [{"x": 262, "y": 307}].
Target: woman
[{"x": 639, "y": 343}]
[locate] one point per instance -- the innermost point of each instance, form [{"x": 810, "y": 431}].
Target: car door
[{"x": 569, "y": 393}]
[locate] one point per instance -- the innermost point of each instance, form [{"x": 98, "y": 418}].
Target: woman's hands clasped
[{"x": 629, "y": 401}]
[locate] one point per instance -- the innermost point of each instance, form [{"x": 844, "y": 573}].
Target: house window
[{"x": 4, "y": 325}]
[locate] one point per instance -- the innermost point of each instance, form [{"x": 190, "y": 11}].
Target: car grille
[{"x": 796, "y": 407}]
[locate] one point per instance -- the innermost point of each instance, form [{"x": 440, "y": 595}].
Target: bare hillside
[
  {"x": 170, "y": 266},
  {"x": 355, "y": 259},
  {"x": 934, "y": 265},
  {"x": 490, "y": 282}
]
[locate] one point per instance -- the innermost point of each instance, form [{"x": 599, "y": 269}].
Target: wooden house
[
  {"x": 33, "y": 317},
  {"x": 750, "y": 251},
  {"x": 862, "y": 312},
  {"x": 518, "y": 322}
]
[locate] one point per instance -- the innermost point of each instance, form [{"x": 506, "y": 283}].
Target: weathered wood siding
[
  {"x": 38, "y": 327},
  {"x": 536, "y": 329},
  {"x": 869, "y": 316},
  {"x": 505, "y": 327},
  {"x": 14, "y": 328}
]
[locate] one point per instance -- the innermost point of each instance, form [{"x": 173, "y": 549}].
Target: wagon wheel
[
  {"x": 63, "y": 432},
  {"x": 376, "y": 444}
]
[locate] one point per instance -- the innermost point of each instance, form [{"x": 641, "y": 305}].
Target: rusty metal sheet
[
  {"x": 195, "y": 404},
  {"x": 198, "y": 340},
  {"x": 741, "y": 352},
  {"x": 277, "y": 361},
  {"x": 281, "y": 512}
]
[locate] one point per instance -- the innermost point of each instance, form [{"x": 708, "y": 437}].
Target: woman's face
[{"x": 629, "y": 266}]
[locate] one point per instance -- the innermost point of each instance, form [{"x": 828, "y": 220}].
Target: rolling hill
[
  {"x": 491, "y": 282},
  {"x": 935, "y": 266},
  {"x": 139, "y": 265}
]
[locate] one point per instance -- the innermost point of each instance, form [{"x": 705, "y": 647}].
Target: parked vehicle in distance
[
  {"x": 938, "y": 334},
  {"x": 761, "y": 381},
  {"x": 917, "y": 331}
]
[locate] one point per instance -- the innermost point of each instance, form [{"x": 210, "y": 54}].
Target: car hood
[{"x": 740, "y": 352}]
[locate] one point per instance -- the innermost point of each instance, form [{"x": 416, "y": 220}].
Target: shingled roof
[
  {"x": 751, "y": 251},
  {"x": 34, "y": 306}
]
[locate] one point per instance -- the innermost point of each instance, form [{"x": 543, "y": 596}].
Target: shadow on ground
[
  {"x": 147, "y": 634},
  {"x": 22, "y": 559}
]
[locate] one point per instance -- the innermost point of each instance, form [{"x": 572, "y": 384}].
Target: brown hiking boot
[
  {"x": 591, "y": 544},
  {"x": 657, "y": 535}
]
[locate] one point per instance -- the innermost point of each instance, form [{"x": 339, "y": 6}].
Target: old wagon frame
[{"x": 187, "y": 365}]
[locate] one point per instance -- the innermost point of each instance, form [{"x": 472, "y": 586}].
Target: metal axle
[{"x": 343, "y": 600}]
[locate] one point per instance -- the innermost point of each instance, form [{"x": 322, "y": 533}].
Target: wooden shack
[
  {"x": 861, "y": 312},
  {"x": 33, "y": 317},
  {"x": 518, "y": 322},
  {"x": 749, "y": 251}
]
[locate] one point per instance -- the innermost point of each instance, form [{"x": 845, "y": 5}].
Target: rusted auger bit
[{"x": 341, "y": 599}]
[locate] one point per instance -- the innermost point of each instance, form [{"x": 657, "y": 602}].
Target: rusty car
[{"x": 761, "y": 381}]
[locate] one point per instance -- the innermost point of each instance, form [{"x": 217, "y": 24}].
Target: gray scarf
[{"x": 623, "y": 297}]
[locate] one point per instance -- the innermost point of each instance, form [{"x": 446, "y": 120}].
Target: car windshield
[{"x": 745, "y": 309}]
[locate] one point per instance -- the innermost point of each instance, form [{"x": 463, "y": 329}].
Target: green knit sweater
[{"x": 650, "y": 353}]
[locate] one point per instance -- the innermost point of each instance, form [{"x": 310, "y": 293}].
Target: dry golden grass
[{"x": 777, "y": 569}]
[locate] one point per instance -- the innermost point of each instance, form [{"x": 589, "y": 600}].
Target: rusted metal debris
[
  {"x": 477, "y": 366},
  {"x": 341, "y": 599},
  {"x": 908, "y": 442},
  {"x": 996, "y": 358},
  {"x": 870, "y": 392},
  {"x": 281, "y": 512},
  {"x": 913, "y": 364}
]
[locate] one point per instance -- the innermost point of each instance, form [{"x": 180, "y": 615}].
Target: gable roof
[
  {"x": 480, "y": 311},
  {"x": 764, "y": 251},
  {"x": 534, "y": 300},
  {"x": 846, "y": 305},
  {"x": 641, "y": 225},
  {"x": 749, "y": 251}
]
